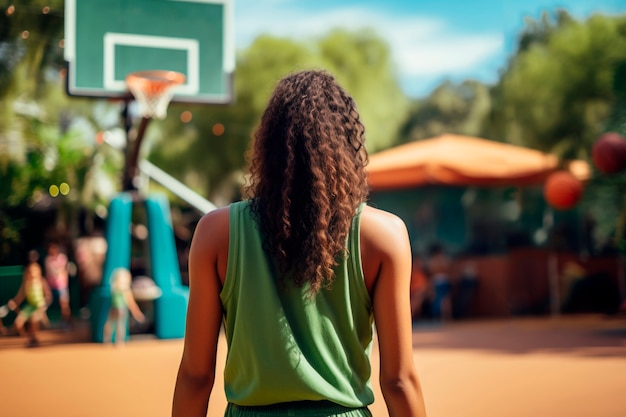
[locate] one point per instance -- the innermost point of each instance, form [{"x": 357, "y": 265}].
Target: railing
[{"x": 176, "y": 187}]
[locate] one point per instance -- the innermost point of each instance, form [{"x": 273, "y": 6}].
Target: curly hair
[{"x": 307, "y": 176}]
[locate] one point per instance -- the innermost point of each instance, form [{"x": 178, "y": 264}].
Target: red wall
[{"x": 518, "y": 282}]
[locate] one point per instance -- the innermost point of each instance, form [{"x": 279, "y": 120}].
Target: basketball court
[{"x": 565, "y": 367}]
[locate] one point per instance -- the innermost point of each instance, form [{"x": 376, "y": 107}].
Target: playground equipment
[
  {"x": 153, "y": 90},
  {"x": 170, "y": 307}
]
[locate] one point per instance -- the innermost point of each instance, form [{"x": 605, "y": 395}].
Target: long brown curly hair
[{"x": 307, "y": 175}]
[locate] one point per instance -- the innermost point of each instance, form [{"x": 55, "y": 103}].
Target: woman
[{"x": 298, "y": 273}]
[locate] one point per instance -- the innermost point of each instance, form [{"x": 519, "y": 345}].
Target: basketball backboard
[{"x": 105, "y": 40}]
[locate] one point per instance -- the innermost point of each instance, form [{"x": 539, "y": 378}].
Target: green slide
[
  {"x": 171, "y": 306},
  {"x": 118, "y": 256}
]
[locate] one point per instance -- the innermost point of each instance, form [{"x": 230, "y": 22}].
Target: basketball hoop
[{"x": 153, "y": 90}]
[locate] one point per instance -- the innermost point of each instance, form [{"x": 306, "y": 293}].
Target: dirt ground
[{"x": 574, "y": 366}]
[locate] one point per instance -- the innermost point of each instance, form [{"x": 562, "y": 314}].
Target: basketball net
[{"x": 154, "y": 90}]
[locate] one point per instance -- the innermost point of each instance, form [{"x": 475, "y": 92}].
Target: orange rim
[{"x": 154, "y": 80}]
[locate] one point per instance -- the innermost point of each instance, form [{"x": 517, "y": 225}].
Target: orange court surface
[{"x": 568, "y": 366}]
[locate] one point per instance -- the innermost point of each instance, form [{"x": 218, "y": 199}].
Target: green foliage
[
  {"x": 557, "y": 92},
  {"x": 605, "y": 200},
  {"x": 30, "y": 32},
  {"x": 23, "y": 180},
  {"x": 361, "y": 62},
  {"x": 450, "y": 108},
  {"x": 40, "y": 144},
  {"x": 263, "y": 63}
]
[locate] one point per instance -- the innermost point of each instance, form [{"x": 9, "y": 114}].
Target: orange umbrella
[{"x": 463, "y": 160}]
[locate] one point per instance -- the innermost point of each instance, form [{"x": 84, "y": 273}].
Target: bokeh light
[
  {"x": 25, "y": 34},
  {"x": 10, "y": 10},
  {"x": 186, "y": 116},
  {"x": 53, "y": 190},
  {"x": 218, "y": 129},
  {"x": 37, "y": 196},
  {"x": 64, "y": 188},
  {"x": 140, "y": 231},
  {"x": 101, "y": 211}
]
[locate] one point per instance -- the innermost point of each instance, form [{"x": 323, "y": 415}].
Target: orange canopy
[{"x": 463, "y": 160}]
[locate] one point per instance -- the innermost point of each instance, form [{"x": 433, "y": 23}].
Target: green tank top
[
  {"x": 283, "y": 346},
  {"x": 117, "y": 299},
  {"x": 33, "y": 293}
]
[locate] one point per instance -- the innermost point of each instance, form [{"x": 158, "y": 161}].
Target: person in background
[
  {"x": 467, "y": 287},
  {"x": 419, "y": 289},
  {"x": 122, "y": 301},
  {"x": 4, "y": 310},
  {"x": 439, "y": 267},
  {"x": 299, "y": 272},
  {"x": 57, "y": 275},
  {"x": 33, "y": 257},
  {"x": 35, "y": 292}
]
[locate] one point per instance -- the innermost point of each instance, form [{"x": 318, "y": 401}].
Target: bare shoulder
[
  {"x": 209, "y": 246},
  {"x": 214, "y": 217},
  {"x": 212, "y": 228},
  {"x": 382, "y": 229},
  {"x": 384, "y": 240}
]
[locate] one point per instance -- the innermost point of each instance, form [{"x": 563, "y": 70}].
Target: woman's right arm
[
  {"x": 196, "y": 373},
  {"x": 388, "y": 243}
]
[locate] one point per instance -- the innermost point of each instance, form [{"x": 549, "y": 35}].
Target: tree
[
  {"x": 450, "y": 108},
  {"x": 560, "y": 91},
  {"x": 362, "y": 63},
  {"x": 213, "y": 155},
  {"x": 557, "y": 92},
  {"x": 30, "y": 34},
  {"x": 46, "y": 138}
]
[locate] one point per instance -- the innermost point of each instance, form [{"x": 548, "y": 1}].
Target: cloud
[
  {"x": 448, "y": 54},
  {"x": 422, "y": 46}
]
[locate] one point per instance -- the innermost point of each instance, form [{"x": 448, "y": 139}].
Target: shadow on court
[{"x": 573, "y": 335}]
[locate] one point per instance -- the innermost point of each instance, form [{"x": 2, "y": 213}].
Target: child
[
  {"x": 35, "y": 291},
  {"x": 57, "y": 276},
  {"x": 122, "y": 301}
]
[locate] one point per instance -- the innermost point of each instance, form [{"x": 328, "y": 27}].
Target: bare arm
[
  {"x": 46, "y": 292},
  {"x": 388, "y": 243},
  {"x": 196, "y": 373},
  {"x": 133, "y": 307},
  {"x": 15, "y": 302}
]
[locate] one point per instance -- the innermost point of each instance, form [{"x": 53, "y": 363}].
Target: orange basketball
[
  {"x": 562, "y": 190},
  {"x": 609, "y": 153}
]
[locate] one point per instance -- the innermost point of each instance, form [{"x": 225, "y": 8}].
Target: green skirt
[{"x": 297, "y": 409}]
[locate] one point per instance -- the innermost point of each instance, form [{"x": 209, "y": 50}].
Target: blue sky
[{"x": 430, "y": 41}]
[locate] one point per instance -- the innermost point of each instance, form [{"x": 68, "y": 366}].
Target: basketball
[
  {"x": 562, "y": 190},
  {"x": 609, "y": 153}
]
